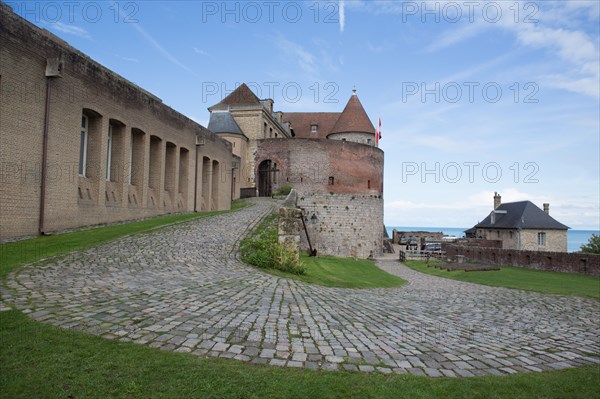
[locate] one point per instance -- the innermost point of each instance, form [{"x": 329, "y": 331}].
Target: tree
[{"x": 593, "y": 245}]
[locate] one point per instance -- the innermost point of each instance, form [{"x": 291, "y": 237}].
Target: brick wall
[
  {"x": 349, "y": 209},
  {"x": 138, "y": 120},
  {"x": 549, "y": 261}
]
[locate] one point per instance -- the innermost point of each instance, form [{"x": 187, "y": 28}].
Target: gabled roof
[
  {"x": 301, "y": 122},
  {"x": 521, "y": 215},
  {"x": 354, "y": 118},
  {"x": 223, "y": 122},
  {"x": 240, "y": 96}
]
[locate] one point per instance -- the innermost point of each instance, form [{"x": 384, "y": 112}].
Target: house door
[{"x": 265, "y": 183}]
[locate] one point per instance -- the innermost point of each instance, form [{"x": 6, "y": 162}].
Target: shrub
[
  {"x": 263, "y": 250},
  {"x": 283, "y": 190}
]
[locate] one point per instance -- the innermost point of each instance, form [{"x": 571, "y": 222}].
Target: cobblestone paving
[{"x": 183, "y": 289}]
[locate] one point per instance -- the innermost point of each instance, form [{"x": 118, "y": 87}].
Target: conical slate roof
[
  {"x": 223, "y": 122},
  {"x": 354, "y": 118},
  {"x": 240, "y": 96}
]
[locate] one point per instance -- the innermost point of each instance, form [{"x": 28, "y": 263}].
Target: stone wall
[
  {"x": 527, "y": 239},
  {"x": 153, "y": 147},
  {"x": 346, "y": 225},
  {"x": 549, "y": 261},
  {"x": 339, "y": 182}
]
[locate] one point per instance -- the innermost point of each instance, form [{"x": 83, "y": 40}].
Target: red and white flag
[{"x": 378, "y": 131}]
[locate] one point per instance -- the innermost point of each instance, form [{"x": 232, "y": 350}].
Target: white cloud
[
  {"x": 71, "y": 29},
  {"x": 160, "y": 48},
  {"x": 306, "y": 60},
  {"x": 201, "y": 52},
  {"x": 342, "y": 15},
  {"x": 130, "y": 59}
]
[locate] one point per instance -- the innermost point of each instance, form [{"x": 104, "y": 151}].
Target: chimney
[
  {"x": 547, "y": 208},
  {"x": 497, "y": 200}
]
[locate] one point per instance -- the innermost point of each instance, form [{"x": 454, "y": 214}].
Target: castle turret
[{"x": 353, "y": 124}]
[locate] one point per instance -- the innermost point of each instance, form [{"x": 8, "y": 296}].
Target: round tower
[{"x": 354, "y": 124}]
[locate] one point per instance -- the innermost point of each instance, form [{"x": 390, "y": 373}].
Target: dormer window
[{"x": 313, "y": 128}]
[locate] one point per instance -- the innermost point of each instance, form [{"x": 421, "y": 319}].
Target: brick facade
[
  {"x": 140, "y": 155},
  {"x": 341, "y": 183}
]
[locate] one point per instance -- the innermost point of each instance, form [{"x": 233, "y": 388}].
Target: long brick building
[{"x": 81, "y": 145}]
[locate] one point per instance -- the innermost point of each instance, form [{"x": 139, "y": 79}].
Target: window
[
  {"x": 130, "y": 158},
  {"x": 265, "y": 130},
  {"x": 368, "y": 183},
  {"x": 331, "y": 180},
  {"x": 109, "y": 151},
  {"x": 542, "y": 239},
  {"x": 313, "y": 128},
  {"x": 369, "y": 141},
  {"x": 270, "y": 132},
  {"x": 83, "y": 142}
]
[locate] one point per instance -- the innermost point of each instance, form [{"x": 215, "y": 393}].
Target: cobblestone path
[{"x": 183, "y": 288}]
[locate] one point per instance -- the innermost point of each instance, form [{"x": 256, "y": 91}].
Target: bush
[
  {"x": 263, "y": 250},
  {"x": 283, "y": 190}
]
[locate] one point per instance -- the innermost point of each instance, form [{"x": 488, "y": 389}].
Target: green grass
[
  {"x": 42, "y": 361},
  {"x": 344, "y": 273},
  {"x": 325, "y": 270},
  {"x": 522, "y": 279},
  {"x": 41, "y": 247}
]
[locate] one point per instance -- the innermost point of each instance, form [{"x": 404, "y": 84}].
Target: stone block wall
[
  {"x": 566, "y": 262},
  {"x": 346, "y": 225}
]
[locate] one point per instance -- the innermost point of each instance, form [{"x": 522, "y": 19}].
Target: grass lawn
[
  {"x": 42, "y": 361},
  {"x": 522, "y": 279},
  {"x": 41, "y": 247},
  {"x": 344, "y": 273}
]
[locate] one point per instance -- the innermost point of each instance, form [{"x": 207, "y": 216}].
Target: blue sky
[{"x": 474, "y": 97}]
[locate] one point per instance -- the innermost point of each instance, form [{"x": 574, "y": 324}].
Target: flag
[{"x": 378, "y": 131}]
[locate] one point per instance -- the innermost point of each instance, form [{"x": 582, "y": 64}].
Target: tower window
[
  {"x": 313, "y": 128},
  {"x": 368, "y": 183},
  {"x": 331, "y": 180}
]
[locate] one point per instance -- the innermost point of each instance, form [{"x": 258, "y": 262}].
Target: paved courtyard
[{"x": 182, "y": 288}]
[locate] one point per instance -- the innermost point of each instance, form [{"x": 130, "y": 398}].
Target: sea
[{"x": 575, "y": 238}]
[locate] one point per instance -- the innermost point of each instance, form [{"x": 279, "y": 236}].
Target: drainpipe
[
  {"x": 196, "y": 181},
  {"x": 54, "y": 68},
  {"x": 44, "y": 159}
]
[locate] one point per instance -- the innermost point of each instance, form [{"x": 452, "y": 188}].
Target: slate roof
[
  {"x": 521, "y": 215},
  {"x": 301, "y": 123},
  {"x": 354, "y": 118},
  {"x": 223, "y": 122},
  {"x": 240, "y": 96}
]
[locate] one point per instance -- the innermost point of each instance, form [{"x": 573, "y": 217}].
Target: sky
[{"x": 475, "y": 97}]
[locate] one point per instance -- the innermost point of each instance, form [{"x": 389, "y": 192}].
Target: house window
[
  {"x": 313, "y": 128},
  {"x": 331, "y": 180},
  {"x": 542, "y": 239},
  {"x": 83, "y": 143},
  {"x": 109, "y": 151}
]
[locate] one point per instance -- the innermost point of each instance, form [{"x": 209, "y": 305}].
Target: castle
[{"x": 81, "y": 145}]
